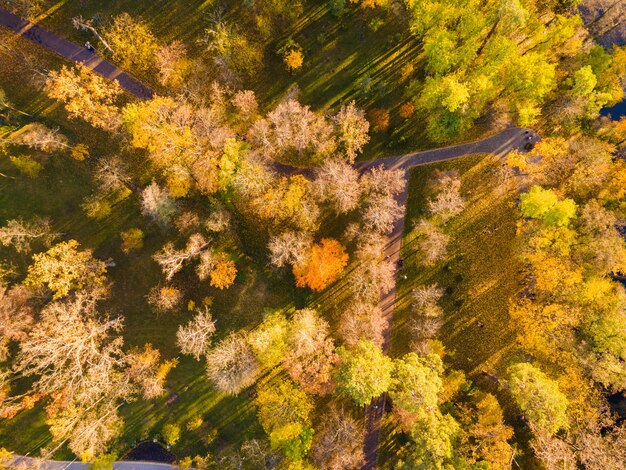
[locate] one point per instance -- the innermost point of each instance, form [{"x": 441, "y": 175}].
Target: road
[{"x": 500, "y": 144}]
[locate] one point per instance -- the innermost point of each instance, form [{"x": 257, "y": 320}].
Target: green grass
[{"x": 481, "y": 277}]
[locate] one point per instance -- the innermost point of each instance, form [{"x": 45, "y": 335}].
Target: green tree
[
  {"x": 538, "y": 397},
  {"x": 284, "y": 413},
  {"x": 544, "y": 204},
  {"x": 364, "y": 372},
  {"x": 416, "y": 382}
]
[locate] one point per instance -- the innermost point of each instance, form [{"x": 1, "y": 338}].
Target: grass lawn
[{"x": 480, "y": 277}]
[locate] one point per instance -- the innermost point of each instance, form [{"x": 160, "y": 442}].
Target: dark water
[
  {"x": 150, "y": 452},
  {"x": 616, "y": 111}
]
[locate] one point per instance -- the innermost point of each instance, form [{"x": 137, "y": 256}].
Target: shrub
[
  {"x": 171, "y": 433},
  {"x": 132, "y": 239},
  {"x": 379, "y": 119}
]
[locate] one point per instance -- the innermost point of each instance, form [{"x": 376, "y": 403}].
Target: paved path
[
  {"x": 29, "y": 463},
  {"x": 500, "y": 143},
  {"x": 73, "y": 52}
]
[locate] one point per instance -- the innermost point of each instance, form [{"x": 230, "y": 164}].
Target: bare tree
[
  {"x": 448, "y": 202},
  {"x": 362, "y": 320},
  {"x": 20, "y": 234},
  {"x": 231, "y": 365},
  {"x": 194, "y": 338},
  {"x": 425, "y": 300},
  {"x": 372, "y": 279},
  {"x": 338, "y": 183},
  {"x": 294, "y": 127},
  {"x": 157, "y": 203},
  {"x": 338, "y": 442},
  {"x": 172, "y": 260},
  {"x": 112, "y": 175},
  {"x": 40, "y": 137},
  {"x": 246, "y": 104},
  {"x": 290, "y": 248},
  {"x": 87, "y": 25},
  {"x": 432, "y": 242}
]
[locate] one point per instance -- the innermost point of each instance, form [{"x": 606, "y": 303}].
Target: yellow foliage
[
  {"x": 293, "y": 59},
  {"x": 80, "y": 152}
]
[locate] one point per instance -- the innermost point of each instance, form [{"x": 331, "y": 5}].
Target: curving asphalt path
[{"x": 499, "y": 144}]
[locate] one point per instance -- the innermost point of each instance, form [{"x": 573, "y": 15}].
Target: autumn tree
[
  {"x": 364, "y": 372},
  {"x": 310, "y": 358},
  {"x": 20, "y": 234},
  {"x": 324, "y": 263},
  {"x": 86, "y": 95},
  {"x": 379, "y": 119},
  {"x": 538, "y": 397},
  {"x": 194, "y": 338},
  {"x": 145, "y": 370},
  {"x": 352, "y": 128},
  {"x": 416, "y": 382},
  {"x": 133, "y": 44},
  {"x": 488, "y": 433},
  {"x": 164, "y": 298},
  {"x": 269, "y": 340},
  {"x": 284, "y": 413},
  {"x": 545, "y": 205},
  {"x": 132, "y": 239},
  {"x": 224, "y": 271},
  {"x": 64, "y": 268},
  {"x": 16, "y": 317},
  {"x": 173, "y": 64},
  {"x": 232, "y": 365}
]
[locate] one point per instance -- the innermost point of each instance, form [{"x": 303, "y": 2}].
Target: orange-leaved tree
[{"x": 325, "y": 261}]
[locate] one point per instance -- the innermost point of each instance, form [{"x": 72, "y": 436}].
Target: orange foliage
[
  {"x": 224, "y": 272},
  {"x": 406, "y": 110},
  {"x": 379, "y": 119},
  {"x": 326, "y": 260}
]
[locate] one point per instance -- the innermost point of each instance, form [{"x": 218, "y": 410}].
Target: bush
[
  {"x": 171, "y": 433},
  {"x": 379, "y": 119},
  {"x": 27, "y": 166},
  {"x": 194, "y": 423},
  {"x": 132, "y": 239},
  {"x": 406, "y": 110}
]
